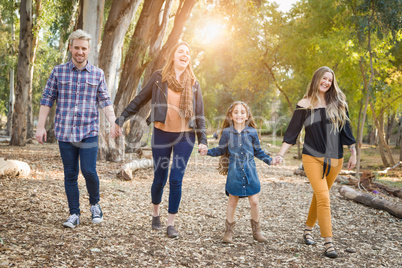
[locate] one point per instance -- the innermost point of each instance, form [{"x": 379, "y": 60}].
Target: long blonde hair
[
  {"x": 224, "y": 159},
  {"x": 335, "y": 99},
  {"x": 168, "y": 69}
]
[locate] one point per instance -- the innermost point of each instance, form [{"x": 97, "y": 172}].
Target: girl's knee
[
  {"x": 253, "y": 201},
  {"x": 233, "y": 200}
]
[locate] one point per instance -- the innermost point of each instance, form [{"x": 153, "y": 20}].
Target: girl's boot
[
  {"x": 257, "y": 234},
  {"x": 227, "y": 237}
]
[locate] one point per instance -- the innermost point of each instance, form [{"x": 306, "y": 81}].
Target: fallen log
[
  {"x": 388, "y": 168},
  {"x": 127, "y": 170},
  {"x": 388, "y": 189},
  {"x": 14, "y": 168},
  {"x": 348, "y": 180},
  {"x": 394, "y": 209}
]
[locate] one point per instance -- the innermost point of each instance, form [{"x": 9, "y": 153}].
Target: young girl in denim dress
[{"x": 238, "y": 145}]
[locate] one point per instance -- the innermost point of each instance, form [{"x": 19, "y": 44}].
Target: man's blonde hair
[{"x": 79, "y": 34}]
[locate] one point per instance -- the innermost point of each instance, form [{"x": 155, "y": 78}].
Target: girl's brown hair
[
  {"x": 224, "y": 159},
  {"x": 169, "y": 65},
  {"x": 335, "y": 99}
]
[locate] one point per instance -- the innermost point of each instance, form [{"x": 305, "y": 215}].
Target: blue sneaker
[
  {"x": 72, "y": 221},
  {"x": 97, "y": 215}
]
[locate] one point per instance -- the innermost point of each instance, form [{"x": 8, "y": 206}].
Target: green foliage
[{"x": 8, "y": 49}]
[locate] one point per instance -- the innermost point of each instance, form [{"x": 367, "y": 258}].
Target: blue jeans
[
  {"x": 86, "y": 151},
  {"x": 163, "y": 144}
]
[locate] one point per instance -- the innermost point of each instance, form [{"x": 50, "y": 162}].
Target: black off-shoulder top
[{"x": 321, "y": 139}]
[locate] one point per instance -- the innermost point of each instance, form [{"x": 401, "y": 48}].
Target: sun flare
[{"x": 211, "y": 31}]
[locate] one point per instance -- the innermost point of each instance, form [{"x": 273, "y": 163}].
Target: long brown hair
[
  {"x": 335, "y": 99},
  {"x": 224, "y": 159},
  {"x": 168, "y": 69}
]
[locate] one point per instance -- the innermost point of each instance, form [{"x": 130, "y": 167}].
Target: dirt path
[{"x": 32, "y": 211}]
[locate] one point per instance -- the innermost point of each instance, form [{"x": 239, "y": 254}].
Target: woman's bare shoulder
[{"x": 304, "y": 103}]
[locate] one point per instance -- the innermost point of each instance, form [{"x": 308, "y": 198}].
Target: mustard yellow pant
[{"x": 320, "y": 208}]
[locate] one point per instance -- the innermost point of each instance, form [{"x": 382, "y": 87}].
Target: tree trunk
[
  {"x": 134, "y": 66},
  {"x": 399, "y": 138},
  {"x": 390, "y": 126},
  {"x": 18, "y": 136},
  {"x": 379, "y": 122},
  {"x": 359, "y": 121},
  {"x": 51, "y": 136},
  {"x": 90, "y": 19},
  {"x": 156, "y": 41},
  {"x": 134, "y": 63},
  {"x": 393, "y": 208},
  {"x": 35, "y": 43},
  {"x": 120, "y": 16},
  {"x": 182, "y": 14},
  {"x": 373, "y": 137},
  {"x": 11, "y": 102},
  {"x": 361, "y": 130},
  {"x": 9, "y": 126}
]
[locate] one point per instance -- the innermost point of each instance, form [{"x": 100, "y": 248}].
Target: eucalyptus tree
[
  {"x": 373, "y": 21},
  {"x": 119, "y": 19},
  {"x": 19, "y": 120},
  {"x": 9, "y": 26}
]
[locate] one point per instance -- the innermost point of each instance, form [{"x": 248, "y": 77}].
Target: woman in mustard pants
[{"x": 323, "y": 112}]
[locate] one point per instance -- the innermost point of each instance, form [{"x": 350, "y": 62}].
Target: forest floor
[{"x": 33, "y": 209}]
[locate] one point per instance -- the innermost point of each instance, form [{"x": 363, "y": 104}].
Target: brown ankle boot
[
  {"x": 227, "y": 237},
  {"x": 257, "y": 234}
]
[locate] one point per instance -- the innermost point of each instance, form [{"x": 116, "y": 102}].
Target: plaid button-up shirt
[{"x": 78, "y": 94}]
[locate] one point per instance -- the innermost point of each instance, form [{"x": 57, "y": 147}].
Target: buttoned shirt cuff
[
  {"x": 46, "y": 102},
  {"x": 103, "y": 104}
]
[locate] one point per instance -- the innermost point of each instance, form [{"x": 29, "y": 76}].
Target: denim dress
[{"x": 242, "y": 179}]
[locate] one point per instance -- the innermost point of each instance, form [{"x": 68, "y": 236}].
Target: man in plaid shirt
[{"x": 79, "y": 89}]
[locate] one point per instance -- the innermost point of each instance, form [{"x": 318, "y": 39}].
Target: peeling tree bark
[
  {"x": 133, "y": 68},
  {"x": 19, "y": 132},
  {"x": 35, "y": 44},
  {"x": 121, "y": 14}
]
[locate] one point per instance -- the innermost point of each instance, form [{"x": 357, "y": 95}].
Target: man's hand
[
  {"x": 41, "y": 135},
  {"x": 115, "y": 130}
]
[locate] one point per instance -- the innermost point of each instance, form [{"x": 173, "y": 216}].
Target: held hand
[
  {"x": 115, "y": 131},
  {"x": 278, "y": 159},
  {"x": 41, "y": 135},
  {"x": 352, "y": 161},
  {"x": 202, "y": 149}
]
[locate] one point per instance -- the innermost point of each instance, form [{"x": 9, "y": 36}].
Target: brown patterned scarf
[{"x": 186, "y": 98}]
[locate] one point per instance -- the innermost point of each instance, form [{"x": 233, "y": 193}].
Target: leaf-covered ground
[{"x": 33, "y": 209}]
